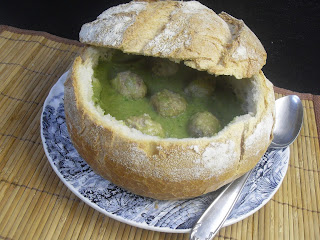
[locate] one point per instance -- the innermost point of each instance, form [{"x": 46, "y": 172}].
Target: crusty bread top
[{"x": 181, "y": 31}]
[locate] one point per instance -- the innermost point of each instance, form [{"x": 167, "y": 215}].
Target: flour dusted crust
[
  {"x": 183, "y": 31},
  {"x": 171, "y": 168}
]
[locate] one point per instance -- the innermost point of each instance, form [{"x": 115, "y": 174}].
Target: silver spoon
[{"x": 289, "y": 115}]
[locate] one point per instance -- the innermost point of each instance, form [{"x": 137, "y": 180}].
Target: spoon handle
[{"x": 214, "y": 217}]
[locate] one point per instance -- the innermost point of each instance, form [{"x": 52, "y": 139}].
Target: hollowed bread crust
[
  {"x": 169, "y": 168},
  {"x": 166, "y": 168}
]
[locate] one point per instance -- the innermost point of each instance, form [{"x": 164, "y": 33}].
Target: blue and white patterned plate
[{"x": 164, "y": 216}]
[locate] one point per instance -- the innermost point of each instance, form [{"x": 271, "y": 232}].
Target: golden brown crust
[
  {"x": 183, "y": 31},
  {"x": 171, "y": 168},
  {"x": 166, "y": 168}
]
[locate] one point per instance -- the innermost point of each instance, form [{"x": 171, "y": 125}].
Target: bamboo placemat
[{"x": 35, "y": 204}]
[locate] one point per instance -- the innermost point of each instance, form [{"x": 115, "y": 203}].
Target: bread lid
[{"x": 180, "y": 31}]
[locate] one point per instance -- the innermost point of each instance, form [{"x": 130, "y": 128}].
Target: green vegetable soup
[{"x": 221, "y": 102}]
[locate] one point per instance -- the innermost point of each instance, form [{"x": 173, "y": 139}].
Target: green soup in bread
[{"x": 163, "y": 98}]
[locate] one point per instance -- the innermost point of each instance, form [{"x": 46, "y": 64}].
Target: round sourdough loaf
[{"x": 168, "y": 168}]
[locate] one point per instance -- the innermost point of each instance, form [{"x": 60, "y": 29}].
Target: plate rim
[
  {"x": 265, "y": 201},
  {"x": 76, "y": 192},
  {"x": 142, "y": 225}
]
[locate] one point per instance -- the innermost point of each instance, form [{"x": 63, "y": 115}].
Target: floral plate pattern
[{"x": 165, "y": 216}]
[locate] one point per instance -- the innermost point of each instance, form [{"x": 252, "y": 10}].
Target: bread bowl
[{"x": 194, "y": 38}]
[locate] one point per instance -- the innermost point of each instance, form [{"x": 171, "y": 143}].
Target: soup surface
[{"x": 177, "y": 78}]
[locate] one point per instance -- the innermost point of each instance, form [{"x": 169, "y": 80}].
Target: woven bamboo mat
[{"x": 35, "y": 204}]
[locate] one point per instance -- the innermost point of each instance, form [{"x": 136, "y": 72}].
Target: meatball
[
  {"x": 203, "y": 124},
  {"x": 168, "y": 104},
  {"x": 146, "y": 125},
  {"x": 129, "y": 85},
  {"x": 201, "y": 87},
  {"x": 164, "y": 67}
]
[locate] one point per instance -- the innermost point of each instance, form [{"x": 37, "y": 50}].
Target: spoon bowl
[{"x": 289, "y": 115}]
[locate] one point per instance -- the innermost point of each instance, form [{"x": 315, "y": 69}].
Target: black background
[{"x": 289, "y": 30}]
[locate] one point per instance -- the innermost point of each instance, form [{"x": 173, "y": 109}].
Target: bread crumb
[
  {"x": 240, "y": 53},
  {"x": 195, "y": 148}
]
